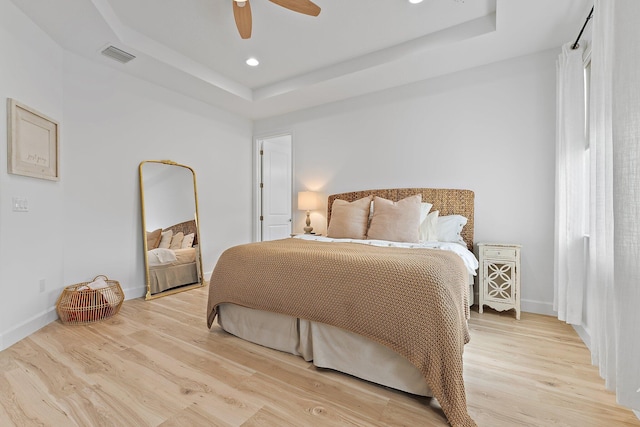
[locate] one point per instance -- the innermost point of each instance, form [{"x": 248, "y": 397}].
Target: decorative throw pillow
[
  {"x": 396, "y": 221},
  {"x": 429, "y": 228},
  {"x": 349, "y": 220},
  {"x": 187, "y": 242},
  {"x": 176, "y": 240},
  {"x": 424, "y": 211},
  {"x": 165, "y": 240},
  {"x": 449, "y": 228},
  {"x": 153, "y": 238}
]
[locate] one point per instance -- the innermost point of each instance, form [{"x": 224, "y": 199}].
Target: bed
[
  {"x": 173, "y": 262},
  {"x": 403, "y": 352}
]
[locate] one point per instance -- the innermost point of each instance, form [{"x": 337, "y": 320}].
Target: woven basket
[{"x": 78, "y": 306}]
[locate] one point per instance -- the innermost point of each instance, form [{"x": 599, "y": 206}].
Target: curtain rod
[{"x": 586, "y": 21}]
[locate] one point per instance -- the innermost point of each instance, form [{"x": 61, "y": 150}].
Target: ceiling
[{"x": 353, "y": 47}]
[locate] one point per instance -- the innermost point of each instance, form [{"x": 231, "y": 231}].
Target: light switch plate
[{"x": 20, "y": 204}]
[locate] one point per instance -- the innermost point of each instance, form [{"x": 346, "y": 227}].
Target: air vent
[{"x": 118, "y": 54}]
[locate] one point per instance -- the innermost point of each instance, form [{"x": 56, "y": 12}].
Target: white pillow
[
  {"x": 187, "y": 242},
  {"x": 160, "y": 256},
  {"x": 428, "y": 231},
  {"x": 449, "y": 228},
  {"x": 165, "y": 240},
  {"x": 424, "y": 210}
]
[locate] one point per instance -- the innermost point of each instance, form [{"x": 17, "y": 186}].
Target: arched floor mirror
[{"x": 169, "y": 202}]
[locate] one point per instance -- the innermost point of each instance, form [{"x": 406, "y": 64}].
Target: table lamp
[{"x": 307, "y": 201}]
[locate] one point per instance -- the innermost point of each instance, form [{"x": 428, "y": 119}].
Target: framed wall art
[{"x": 33, "y": 142}]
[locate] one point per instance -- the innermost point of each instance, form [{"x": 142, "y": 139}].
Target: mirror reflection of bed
[{"x": 170, "y": 223}]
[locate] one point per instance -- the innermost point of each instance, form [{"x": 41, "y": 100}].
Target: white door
[{"x": 276, "y": 187}]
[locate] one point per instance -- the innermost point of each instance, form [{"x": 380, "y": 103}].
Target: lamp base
[{"x": 308, "y": 228}]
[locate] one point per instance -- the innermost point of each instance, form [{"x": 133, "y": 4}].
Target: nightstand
[{"x": 499, "y": 278}]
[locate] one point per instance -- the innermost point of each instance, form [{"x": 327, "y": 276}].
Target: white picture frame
[{"x": 33, "y": 143}]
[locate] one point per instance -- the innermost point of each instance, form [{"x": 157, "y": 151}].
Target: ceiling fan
[{"x": 242, "y": 12}]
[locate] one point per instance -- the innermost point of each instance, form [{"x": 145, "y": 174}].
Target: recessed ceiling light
[
  {"x": 415, "y": 1},
  {"x": 252, "y": 62}
]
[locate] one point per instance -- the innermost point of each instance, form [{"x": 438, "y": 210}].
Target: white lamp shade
[{"x": 307, "y": 200}]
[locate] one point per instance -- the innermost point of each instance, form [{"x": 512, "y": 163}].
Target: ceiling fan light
[
  {"x": 241, "y": 3},
  {"x": 252, "y": 62},
  {"x": 415, "y": 1}
]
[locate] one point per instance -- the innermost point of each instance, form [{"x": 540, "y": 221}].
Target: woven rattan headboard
[
  {"x": 186, "y": 227},
  {"x": 447, "y": 201}
]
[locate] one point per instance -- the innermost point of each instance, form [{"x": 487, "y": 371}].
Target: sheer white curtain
[
  {"x": 614, "y": 249},
  {"x": 569, "y": 268}
]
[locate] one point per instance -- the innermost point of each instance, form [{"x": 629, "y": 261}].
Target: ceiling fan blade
[
  {"x": 306, "y": 7},
  {"x": 243, "y": 18}
]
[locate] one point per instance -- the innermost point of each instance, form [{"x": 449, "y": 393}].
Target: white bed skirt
[{"x": 326, "y": 346}]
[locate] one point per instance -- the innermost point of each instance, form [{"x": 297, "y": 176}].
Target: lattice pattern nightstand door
[{"x": 499, "y": 281}]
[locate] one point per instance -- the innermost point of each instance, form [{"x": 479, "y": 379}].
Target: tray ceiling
[{"x": 352, "y": 48}]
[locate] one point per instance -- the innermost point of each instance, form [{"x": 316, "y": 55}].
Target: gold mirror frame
[{"x": 201, "y": 283}]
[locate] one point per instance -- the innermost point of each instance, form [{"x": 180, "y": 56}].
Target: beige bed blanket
[{"x": 411, "y": 300}]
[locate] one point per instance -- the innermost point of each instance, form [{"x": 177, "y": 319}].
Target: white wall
[
  {"x": 116, "y": 121},
  {"x": 31, "y": 68},
  {"x": 89, "y": 223},
  {"x": 489, "y": 129}
]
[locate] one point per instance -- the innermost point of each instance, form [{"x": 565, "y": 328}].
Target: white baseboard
[
  {"x": 26, "y": 328},
  {"x": 530, "y": 306},
  {"x": 637, "y": 413},
  {"x": 584, "y": 334},
  {"x": 42, "y": 319},
  {"x": 538, "y": 307},
  {"x": 137, "y": 292}
]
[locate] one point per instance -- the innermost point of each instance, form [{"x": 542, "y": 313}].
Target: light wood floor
[{"x": 156, "y": 363}]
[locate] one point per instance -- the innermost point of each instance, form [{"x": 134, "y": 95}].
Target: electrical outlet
[{"x": 43, "y": 284}]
